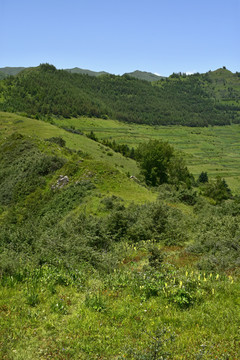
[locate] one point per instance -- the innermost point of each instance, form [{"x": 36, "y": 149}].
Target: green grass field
[
  {"x": 99, "y": 160},
  {"x": 213, "y": 149}
]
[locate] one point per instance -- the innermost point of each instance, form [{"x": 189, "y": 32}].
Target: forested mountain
[
  {"x": 196, "y": 100},
  {"x": 77, "y": 70},
  {"x": 11, "y": 70},
  {"x": 144, "y": 75}
]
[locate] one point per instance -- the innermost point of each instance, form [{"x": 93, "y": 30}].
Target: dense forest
[{"x": 187, "y": 100}]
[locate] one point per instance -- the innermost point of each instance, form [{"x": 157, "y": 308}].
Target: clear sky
[{"x": 160, "y": 36}]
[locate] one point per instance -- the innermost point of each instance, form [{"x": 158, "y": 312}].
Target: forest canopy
[{"x": 45, "y": 91}]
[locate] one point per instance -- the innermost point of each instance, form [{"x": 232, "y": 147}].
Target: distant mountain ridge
[
  {"x": 11, "y": 70},
  {"x": 77, "y": 70},
  {"x": 141, "y": 75},
  {"x": 144, "y": 75}
]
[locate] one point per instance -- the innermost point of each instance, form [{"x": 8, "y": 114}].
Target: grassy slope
[
  {"x": 125, "y": 188},
  {"x": 213, "y": 149}
]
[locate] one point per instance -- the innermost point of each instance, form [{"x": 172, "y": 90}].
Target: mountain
[
  {"x": 194, "y": 100},
  {"x": 144, "y": 75},
  {"x": 77, "y": 70},
  {"x": 11, "y": 70}
]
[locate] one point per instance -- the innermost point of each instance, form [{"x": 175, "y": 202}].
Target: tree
[
  {"x": 160, "y": 164},
  {"x": 203, "y": 177},
  {"x": 217, "y": 190},
  {"x": 153, "y": 159}
]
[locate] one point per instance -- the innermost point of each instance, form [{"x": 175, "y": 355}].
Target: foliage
[
  {"x": 92, "y": 136},
  {"x": 121, "y": 148},
  {"x": 159, "y": 164},
  {"x": 156, "y": 257},
  {"x": 57, "y": 140},
  {"x": 203, "y": 177},
  {"x": 186, "y": 100},
  {"x": 217, "y": 190}
]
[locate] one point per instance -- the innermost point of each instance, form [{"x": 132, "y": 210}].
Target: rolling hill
[{"x": 179, "y": 99}]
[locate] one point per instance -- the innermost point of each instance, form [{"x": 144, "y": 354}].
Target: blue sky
[{"x": 122, "y": 35}]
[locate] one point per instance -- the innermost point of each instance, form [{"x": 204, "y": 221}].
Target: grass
[
  {"x": 213, "y": 149},
  {"x": 103, "y": 318},
  {"x": 10, "y": 123}
]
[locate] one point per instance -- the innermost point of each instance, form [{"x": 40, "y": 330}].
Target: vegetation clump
[{"x": 160, "y": 164}]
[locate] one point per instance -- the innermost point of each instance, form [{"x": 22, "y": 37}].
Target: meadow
[{"x": 214, "y": 149}]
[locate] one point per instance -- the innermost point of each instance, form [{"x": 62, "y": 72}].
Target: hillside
[
  {"x": 185, "y": 100},
  {"x": 86, "y": 252}
]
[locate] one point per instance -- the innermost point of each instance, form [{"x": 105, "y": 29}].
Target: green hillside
[
  {"x": 103, "y": 256},
  {"x": 94, "y": 265},
  {"x": 180, "y": 99},
  {"x": 212, "y": 149}
]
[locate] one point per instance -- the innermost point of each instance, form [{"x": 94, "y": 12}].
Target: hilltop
[{"x": 144, "y": 75}]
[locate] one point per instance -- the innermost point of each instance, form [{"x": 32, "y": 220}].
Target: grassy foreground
[{"x": 52, "y": 314}]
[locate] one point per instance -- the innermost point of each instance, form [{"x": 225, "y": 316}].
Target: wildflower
[
  {"x": 180, "y": 284},
  {"x": 217, "y": 276}
]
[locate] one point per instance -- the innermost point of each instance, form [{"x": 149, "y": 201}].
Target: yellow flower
[
  {"x": 180, "y": 284},
  {"x": 217, "y": 276}
]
